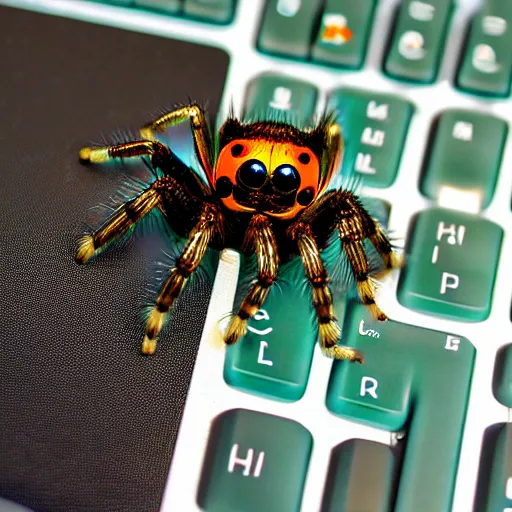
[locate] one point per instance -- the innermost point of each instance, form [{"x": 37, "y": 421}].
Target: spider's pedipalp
[{"x": 259, "y": 234}]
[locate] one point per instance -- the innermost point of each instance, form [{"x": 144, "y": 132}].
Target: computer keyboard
[{"x": 421, "y": 89}]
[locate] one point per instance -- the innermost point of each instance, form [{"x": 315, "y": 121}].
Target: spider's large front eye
[
  {"x": 286, "y": 179},
  {"x": 252, "y": 174}
]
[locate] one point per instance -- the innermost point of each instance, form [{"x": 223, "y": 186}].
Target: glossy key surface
[
  {"x": 213, "y": 11},
  {"x": 273, "y": 359},
  {"x": 343, "y": 33},
  {"x": 502, "y": 376},
  {"x": 451, "y": 265},
  {"x": 374, "y": 128},
  {"x": 418, "y": 40},
  {"x": 466, "y": 155},
  {"x": 254, "y": 462},
  {"x": 287, "y": 27},
  {"x": 166, "y": 6},
  {"x": 360, "y": 477},
  {"x": 486, "y": 66},
  {"x": 494, "y": 491},
  {"x": 274, "y": 96},
  {"x": 429, "y": 369}
]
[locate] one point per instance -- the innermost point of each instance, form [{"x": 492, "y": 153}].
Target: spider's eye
[
  {"x": 286, "y": 179},
  {"x": 252, "y": 174}
]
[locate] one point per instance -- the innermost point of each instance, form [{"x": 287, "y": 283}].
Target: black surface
[{"x": 86, "y": 422}]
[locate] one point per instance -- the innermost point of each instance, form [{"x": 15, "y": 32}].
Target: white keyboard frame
[{"x": 209, "y": 395}]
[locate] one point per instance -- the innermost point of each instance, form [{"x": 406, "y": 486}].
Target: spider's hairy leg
[
  {"x": 124, "y": 218},
  {"x": 187, "y": 262},
  {"x": 328, "y": 327},
  {"x": 200, "y": 131},
  {"x": 136, "y": 148},
  {"x": 383, "y": 246},
  {"x": 355, "y": 225},
  {"x": 259, "y": 234},
  {"x": 365, "y": 285}
]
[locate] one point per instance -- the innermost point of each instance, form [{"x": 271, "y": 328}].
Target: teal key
[
  {"x": 374, "y": 127},
  {"x": 451, "y": 265},
  {"x": 212, "y": 11},
  {"x": 254, "y": 462},
  {"x": 502, "y": 376},
  {"x": 360, "y": 477},
  {"x": 166, "y": 6},
  {"x": 466, "y": 155},
  {"x": 486, "y": 65},
  {"x": 274, "y": 96},
  {"x": 274, "y": 358},
  {"x": 428, "y": 373},
  {"x": 287, "y": 27},
  {"x": 494, "y": 491},
  {"x": 418, "y": 40},
  {"x": 343, "y": 33}
]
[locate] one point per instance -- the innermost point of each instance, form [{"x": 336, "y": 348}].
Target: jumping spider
[{"x": 265, "y": 195}]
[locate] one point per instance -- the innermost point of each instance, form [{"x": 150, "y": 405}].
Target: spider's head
[{"x": 270, "y": 167}]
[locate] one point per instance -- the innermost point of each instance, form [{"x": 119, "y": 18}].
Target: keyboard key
[
  {"x": 418, "y": 40},
  {"x": 344, "y": 32},
  {"x": 272, "y": 96},
  {"x": 287, "y": 28},
  {"x": 167, "y": 6},
  {"x": 438, "y": 368},
  {"x": 494, "y": 491},
  {"x": 374, "y": 127},
  {"x": 274, "y": 357},
  {"x": 354, "y": 465},
  {"x": 502, "y": 377},
  {"x": 451, "y": 265},
  {"x": 466, "y": 156},
  {"x": 213, "y": 11},
  {"x": 254, "y": 462},
  {"x": 486, "y": 66}
]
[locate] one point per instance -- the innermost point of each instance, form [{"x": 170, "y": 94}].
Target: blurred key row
[
  {"x": 337, "y": 32},
  {"x": 209, "y": 11},
  {"x": 464, "y": 153}
]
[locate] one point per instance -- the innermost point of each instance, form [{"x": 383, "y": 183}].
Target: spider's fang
[{"x": 85, "y": 249}]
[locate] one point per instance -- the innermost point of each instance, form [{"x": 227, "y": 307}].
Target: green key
[
  {"x": 353, "y": 465},
  {"x": 502, "y": 377},
  {"x": 429, "y": 372},
  {"x": 418, "y": 40},
  {"x": 274, "y": 357},
  {"x": 343, "y": 33},
  {"x": 451, "y": 265},
  {"x": 494, "y": 492},
  {"x": 254, "y": 462},
  {"x": 374, "y": 128},
  {"x": 466, "y": 155},
  {"x": 486, "y": 66},
  {"x": 287, "y": 27},
  {"x": 272, "y": 96},
  {"x": 213, "y": 11},
  {"x": 167, "y": 6}
]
